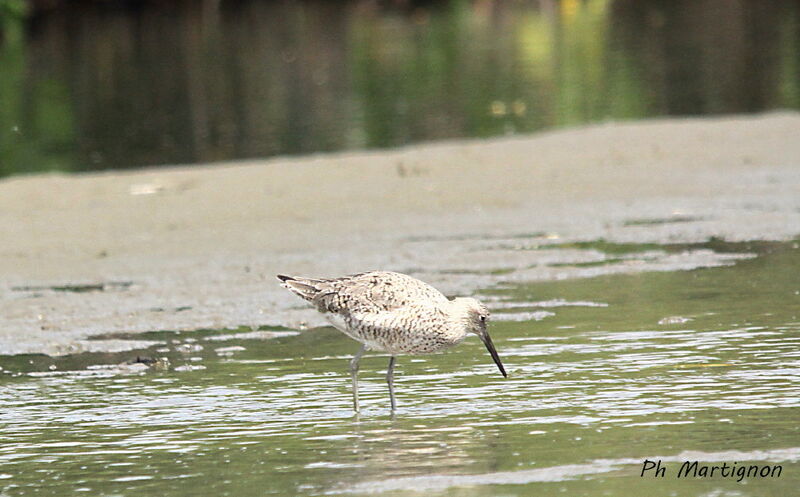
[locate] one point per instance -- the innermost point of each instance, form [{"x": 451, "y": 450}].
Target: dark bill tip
[{"x": 487, "y": 340}]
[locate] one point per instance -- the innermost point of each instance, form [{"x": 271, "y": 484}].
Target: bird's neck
[{"x": 458, "y": 328}]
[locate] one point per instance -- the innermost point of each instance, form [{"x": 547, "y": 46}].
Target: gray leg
[
  {"x": 354, "y": 374},
  {"x": 390, "y": 381}
]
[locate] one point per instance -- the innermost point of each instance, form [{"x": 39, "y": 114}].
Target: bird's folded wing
[{"x": 377, "y": 292}]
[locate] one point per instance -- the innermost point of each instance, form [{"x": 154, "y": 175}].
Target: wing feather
[{"x": 379, "y": 291}]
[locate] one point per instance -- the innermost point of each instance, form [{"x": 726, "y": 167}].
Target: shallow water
[{"x": 686, "y": 365}]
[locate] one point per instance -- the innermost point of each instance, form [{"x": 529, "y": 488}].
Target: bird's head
[{"x": 475, "y": 317}]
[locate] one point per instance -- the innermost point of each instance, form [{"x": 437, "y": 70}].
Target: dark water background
[{"x": 99, "y": 85}]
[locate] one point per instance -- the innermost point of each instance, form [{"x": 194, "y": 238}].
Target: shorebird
[{"x": 394, "y": 313}]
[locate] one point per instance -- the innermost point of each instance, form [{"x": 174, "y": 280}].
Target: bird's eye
[{"x": 483, "y": 318}]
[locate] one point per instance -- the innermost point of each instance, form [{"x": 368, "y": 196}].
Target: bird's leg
[
  {"x": 354, "y": 374},
  {"x": 390, "y": 381}
]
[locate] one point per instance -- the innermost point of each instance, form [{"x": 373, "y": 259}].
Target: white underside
[{"x": 339, "y": 323}]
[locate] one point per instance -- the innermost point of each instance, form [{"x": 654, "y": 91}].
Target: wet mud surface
[{"x": 96, "y": 257}]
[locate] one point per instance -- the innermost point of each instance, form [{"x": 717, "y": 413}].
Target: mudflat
[{"x": 191, "y": 247}]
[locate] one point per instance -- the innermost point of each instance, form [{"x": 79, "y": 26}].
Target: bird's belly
[
  {"x": 399, "y": 342},
  {"x": 430, "y": 343},
  {"x": 340, "y": 323}
]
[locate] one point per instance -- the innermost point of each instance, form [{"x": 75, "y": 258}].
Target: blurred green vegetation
[
  {"x": 101, "y": 85},
  {"x": 36, "y": 129}
]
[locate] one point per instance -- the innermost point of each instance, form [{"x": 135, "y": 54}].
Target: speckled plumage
[{"x": 393, "y": 312}]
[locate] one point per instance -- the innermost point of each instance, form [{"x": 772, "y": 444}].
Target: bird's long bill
[{"x": 487, "y": 340}]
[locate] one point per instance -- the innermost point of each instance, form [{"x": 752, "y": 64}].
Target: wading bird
[{"x": 394, "y": 313}]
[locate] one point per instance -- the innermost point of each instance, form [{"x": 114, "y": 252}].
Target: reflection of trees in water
[
  {"x": 714, "y": 56},
  {"x": 186, "y": 82},
  {"x": 199, "y": 81}
]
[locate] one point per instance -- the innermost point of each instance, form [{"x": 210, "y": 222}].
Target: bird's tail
[{"x": 307, "y": 288}]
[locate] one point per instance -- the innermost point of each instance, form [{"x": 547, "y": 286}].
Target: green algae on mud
[{"x": 597, "y": 386}]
